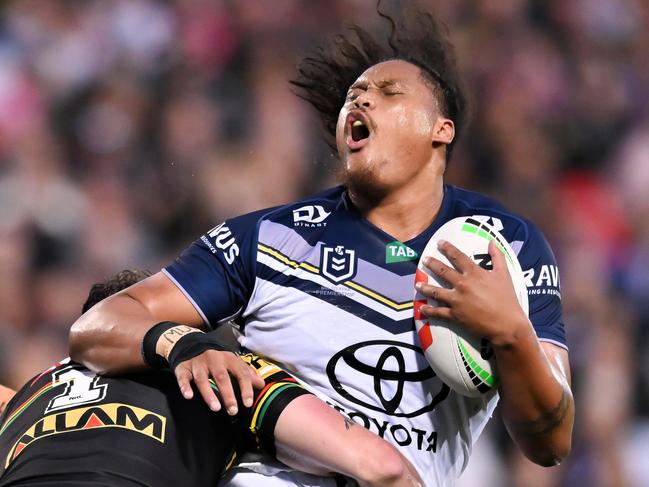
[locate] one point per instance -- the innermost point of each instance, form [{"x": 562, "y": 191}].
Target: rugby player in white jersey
[{"x": 323, "y": 286}]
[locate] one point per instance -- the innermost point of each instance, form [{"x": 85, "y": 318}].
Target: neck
[{"x": 406, "y": 211}]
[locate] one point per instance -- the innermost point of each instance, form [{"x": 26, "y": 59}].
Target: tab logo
[
  {"x": 398, "y": 252},
  {"x": 310, "y": 216},
  {"x": 338, "y": 264}
]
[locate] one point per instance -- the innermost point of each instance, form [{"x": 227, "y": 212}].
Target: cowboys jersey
[{"x": 318, "y": 289}]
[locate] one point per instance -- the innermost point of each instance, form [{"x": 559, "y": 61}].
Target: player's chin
[
  {"x": 364, "y": 180},
  {"x": 357, "y": 165}
]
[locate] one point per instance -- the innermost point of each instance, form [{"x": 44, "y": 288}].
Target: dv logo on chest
[
  {"x": 310, "y": 216},
  {"x": 337, "y": 263}
]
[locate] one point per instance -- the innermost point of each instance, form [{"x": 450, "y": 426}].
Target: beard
[{"x": 363, "y": 182}]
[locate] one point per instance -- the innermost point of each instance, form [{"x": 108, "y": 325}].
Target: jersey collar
[{"x": 443, "y": 215}]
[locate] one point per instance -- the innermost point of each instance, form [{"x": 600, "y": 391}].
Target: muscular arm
[
  {"x": 534, "y": 379},
  {"x": 108, "y": 340},
  {"x": 538, "y": 407},
  {"x": 313, "y": 437},
  {"x": 108, "y": 337}
]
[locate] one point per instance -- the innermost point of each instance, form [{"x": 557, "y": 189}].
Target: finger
[
  {"x": 221, "y": 377},
  {"x": 255, "y": 378},
  {"x": 440, "y": 312},
  {"x": 497, "y": 257},
  {"x": 441, "y": 270},
  {"x": 434, "y": 292},
  {"x": 244, "y": 379},
  {"x": 257, "y": 381},
  {"x": 201, "y": 379},
  {"x": 184, "y": 377},
  {"x": 459, "y": 259}
]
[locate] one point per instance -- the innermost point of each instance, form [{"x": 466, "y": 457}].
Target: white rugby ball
[{"x": 461, "y": 360}]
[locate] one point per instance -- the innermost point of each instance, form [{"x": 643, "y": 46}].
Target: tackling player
[
  {"x": 323, "y": 286},
  {"x": 69, "y": 427}
]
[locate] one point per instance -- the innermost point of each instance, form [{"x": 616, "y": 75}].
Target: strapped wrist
[
  {"x": 192, "y": 345},
  {"x": 160, "y": 340}
]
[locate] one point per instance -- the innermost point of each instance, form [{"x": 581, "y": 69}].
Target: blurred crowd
[{"x": 129, "y": 127}]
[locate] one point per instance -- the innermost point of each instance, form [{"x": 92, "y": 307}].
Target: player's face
[{"x": 386, "y": 130}]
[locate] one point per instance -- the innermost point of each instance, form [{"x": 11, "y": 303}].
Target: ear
[{"x": 443, "y": 131}]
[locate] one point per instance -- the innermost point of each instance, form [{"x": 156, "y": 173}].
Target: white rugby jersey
[{"x": 318, "y": 289}]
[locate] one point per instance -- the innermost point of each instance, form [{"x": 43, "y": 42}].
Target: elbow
[
  {"x": 549, "y": 442},
  {"x": 77, "y": 345},
  {"x": 548, "y": 460},
  {"x": 81, "y": 351},
  {"x": 382, "y": 466},
  {"x": 82, "y": 342},
  {"x": 551, "y": 454}
]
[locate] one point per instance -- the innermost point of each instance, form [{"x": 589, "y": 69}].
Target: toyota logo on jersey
[{"x": 382, "y": 362}]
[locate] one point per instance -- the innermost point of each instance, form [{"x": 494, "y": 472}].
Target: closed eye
[{"x": 352, "y": 95}]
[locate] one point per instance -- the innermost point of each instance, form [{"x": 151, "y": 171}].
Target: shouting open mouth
[{"x": 358, "y": 130}]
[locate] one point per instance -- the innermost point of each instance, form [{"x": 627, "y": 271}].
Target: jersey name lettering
[
  {"x": 224, "y": 240},
  {"x": 548, "y": 276},
  {"x": 112, "y": 415}
]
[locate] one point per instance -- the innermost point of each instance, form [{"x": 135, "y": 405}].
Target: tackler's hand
[
  {"x": 214, "y": 368},
  {"x": 484, "y": 301},
  {"x": 193, "y": 355}
]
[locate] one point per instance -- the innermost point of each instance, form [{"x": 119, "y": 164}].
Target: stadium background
[{"x": 128, "y": 128}]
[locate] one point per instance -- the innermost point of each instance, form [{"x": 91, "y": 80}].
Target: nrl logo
[
  {"x": 338, "y": 264},
  {"x": 310, "y": 216}
]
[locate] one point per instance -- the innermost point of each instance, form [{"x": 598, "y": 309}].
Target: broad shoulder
[
  {"x": 308, "y": 211},
  {"x": 516, "y": 229}
]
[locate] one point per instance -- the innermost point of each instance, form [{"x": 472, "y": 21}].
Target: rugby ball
[{"x": 461, "y": 360}]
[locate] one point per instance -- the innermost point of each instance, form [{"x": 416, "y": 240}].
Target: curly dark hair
[
  {"x": 415, "y": 36},
  {"x": 110, "y": 286}
]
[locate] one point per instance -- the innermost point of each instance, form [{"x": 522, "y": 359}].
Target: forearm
[
  {"x": 538, "y": 408},
  {"x": 108, "y": 337},
  {"x": 313, "y": 437}
]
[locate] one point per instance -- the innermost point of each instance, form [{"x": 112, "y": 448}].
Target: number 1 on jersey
[{"x": 81, "y": 387}]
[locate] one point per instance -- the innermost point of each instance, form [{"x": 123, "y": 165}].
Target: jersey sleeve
[
  {"x": 217, "y": 272},
  {"x": 541, "y": 275}
]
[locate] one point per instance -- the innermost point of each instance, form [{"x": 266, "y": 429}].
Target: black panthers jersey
[{"x": 70, "y": 427}]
